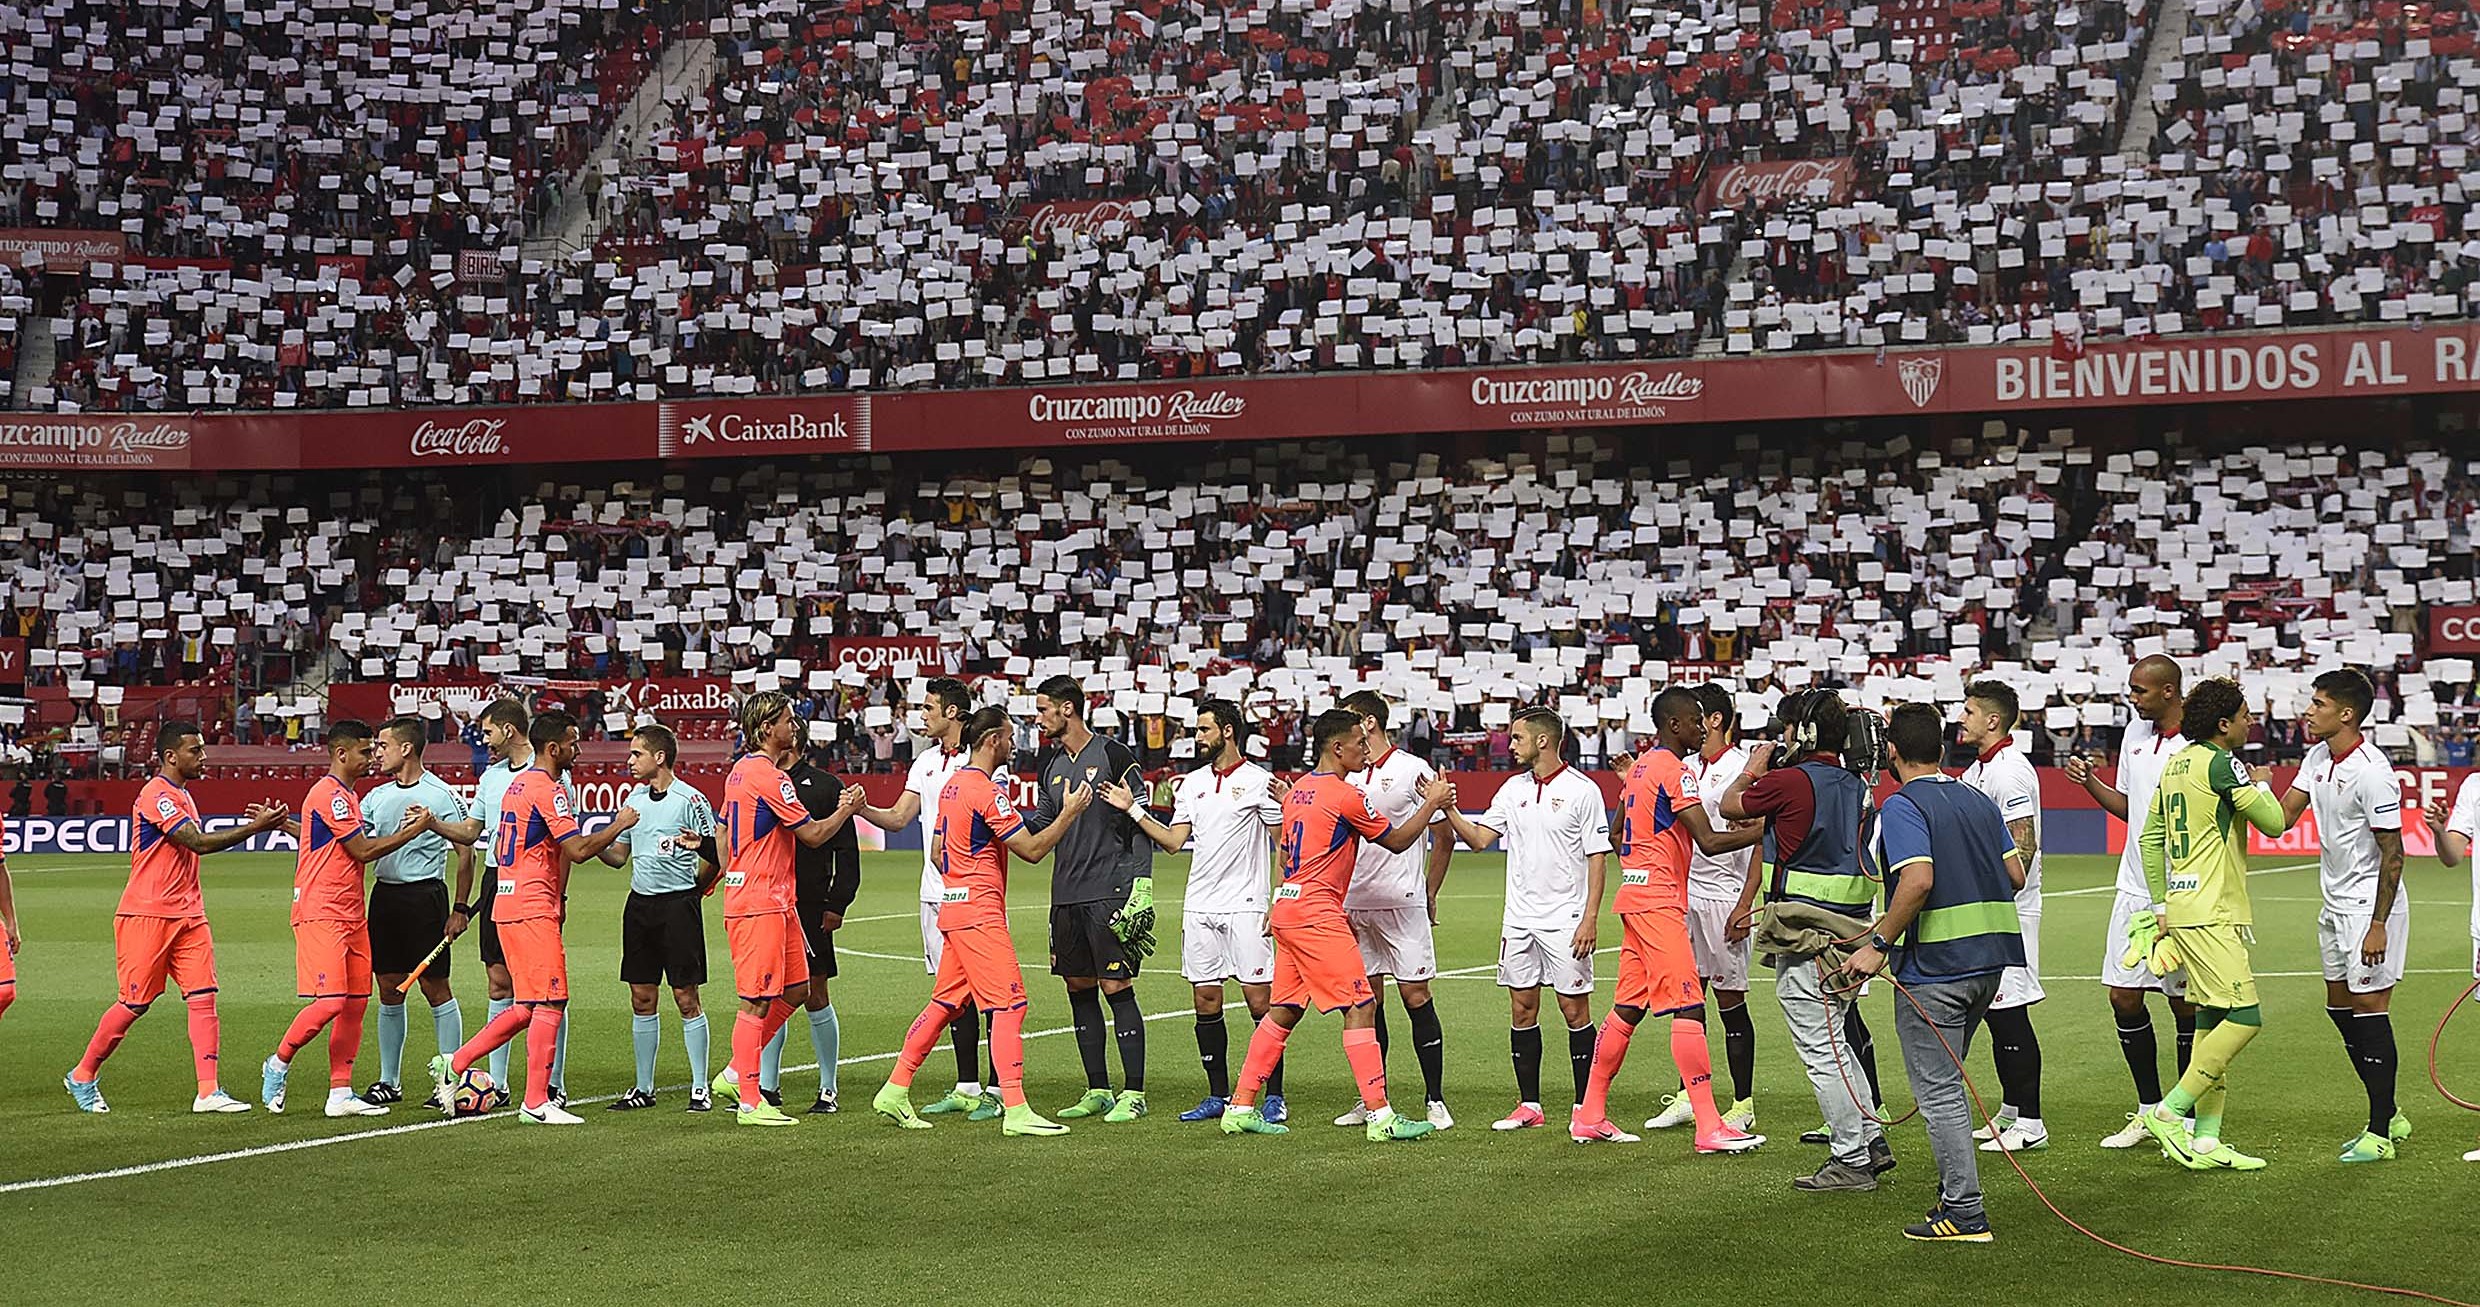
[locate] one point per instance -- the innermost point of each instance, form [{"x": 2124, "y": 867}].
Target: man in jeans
[
  {"x": 1949, "y": 932},
  {"x": 1812, "y": 808}
]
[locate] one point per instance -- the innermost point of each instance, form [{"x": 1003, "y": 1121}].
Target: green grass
[{"x": 849, "y": 1209}]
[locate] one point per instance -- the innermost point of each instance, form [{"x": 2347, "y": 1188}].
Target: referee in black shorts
[{"x": 825, "y": 880}]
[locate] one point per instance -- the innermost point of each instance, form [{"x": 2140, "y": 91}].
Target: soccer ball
[{"x": 477, "y": 1093}]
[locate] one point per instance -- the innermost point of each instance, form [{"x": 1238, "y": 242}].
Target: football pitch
[{"x": 151, "y": 1204}]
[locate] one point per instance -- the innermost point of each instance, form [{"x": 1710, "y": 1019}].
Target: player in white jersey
[
  {"x": 2154, "y": 693},
  {"x": 939, "y": 756},
  {"x": 2364, "y": 931},
  {"x": 2456, "y": 827},
  {"x": 2000, "y": 771},
  {"x": 1393, "y": 902},
  {"x": 1229, "y": 804},
  {"x": 1722, "y": 900},
  {"x": 1557, "y": 832}
]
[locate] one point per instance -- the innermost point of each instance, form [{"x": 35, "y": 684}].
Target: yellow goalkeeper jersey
[{"x": 2195, "y": 836}]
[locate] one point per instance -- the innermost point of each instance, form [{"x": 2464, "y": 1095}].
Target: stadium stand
[{"x": 1275, "y": 573}]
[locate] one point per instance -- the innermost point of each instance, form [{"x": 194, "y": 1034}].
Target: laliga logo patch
[{"x": 1920, "y": 375}]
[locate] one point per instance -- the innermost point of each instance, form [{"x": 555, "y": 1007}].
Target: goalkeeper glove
[
  {"x": 1134, "y": 922},
  {"x": 2143, "y": 931},
  {"x": 2165, "y": 957}
]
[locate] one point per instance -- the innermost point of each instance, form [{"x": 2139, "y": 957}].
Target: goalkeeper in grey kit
[{"x": 1102, "y": 898}]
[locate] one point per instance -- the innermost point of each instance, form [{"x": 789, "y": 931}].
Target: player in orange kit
[
  {"x": 974, "y": 830},
  {"x": 159, "y": 932},
  {"x": 763, "y": 817},
  {"x": 535, "y": 845},
  {"x": 10, "y": 939},
  {"x": 1317, "y": 961},
  {"x": 1657, "y": 967},
  {"x": 331, "y": 926}
]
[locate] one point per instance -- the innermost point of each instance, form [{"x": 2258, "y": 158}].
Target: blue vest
[
  {"x": 1968, "y": 927},
  {"x": 1825, "y": 868}
]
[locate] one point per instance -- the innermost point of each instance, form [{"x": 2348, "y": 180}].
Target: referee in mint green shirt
[
  {"x": 670, "y": 854},
  {"x": 410, "y": 907}
]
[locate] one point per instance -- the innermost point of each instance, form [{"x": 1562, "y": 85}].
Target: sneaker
[
  {"x": 550, "y": 1113},
  {"x": 1729, "y": 1139},
  {"x": 895, "y": 1103},
  {"x": 1995, "y": 1127},
  {"x": 1386, "y": 1125},
  {"x": 382, "y": 1092},
  {"x": 1676, "y": 1111},
  {"x": 219, "y": 1101},
  {"x": 1129, "y": 1106},
  {"x": 2369, "y": 1147},
  {"x": 773, "y": 1098},
  {"x": 1439, "y": 1117},
  {"x": 2016, "y": 1139},
  {"x": 443, "y": 1085},
  {"x": 987, "y": 1107},
  {"x": 1599, "y": 1132},
  {"x": 632, "y": 1101},
  {"x": 2472, "y": 1156},
  {"x": 271, "y": 1075},
  {"x": 765, "y": 1114},
  {"x": 1836, "y": 1178},
  {"x": 1525, "y": 1117},
  {"x": 726, "y": 1087},
  {"x": 1820, "y": 1135},
  {"x": 1022, "y": 1120},
  {"x": 955, "y": 1100},
  {"x": 430, "y": 1104},
  {"x": 826, "y": 1105},
  {"x": 1881, "y": 1156},
  {"x": 701, "y": 1099},
  {"x": 1208, "y": 1108},
  {"x": 1274, "y": 1109},
  {"x": 1359, "y": 1115},
  {"x": 87, "y": 1094},
  {"x": 2399, "y": 1128},
  {"x": 559, "y": 1096},
  {"x": 1095, "y": 1102},
  {"x": 1742, "y": 1116},
  {"x": 2131, "y": 1134},
  {"x": 2219, "y": 1157},
  {"x": 2172, "y": 1134},
  {"x": 1943, "y": 1226},
  {"x": 344, "y": 1102},
  {"x": 1243, "y": 1120}
]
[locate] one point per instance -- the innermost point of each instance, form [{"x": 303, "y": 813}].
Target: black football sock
[
  {"x": 2143, "y": 1053},
  {"x": 1739, "y": 1048},
  {"x": 2378, "y": 1063},
  {"x": 1580, "y": 1057},
  {"x": 2187, "y": 1038},
  {"x": 2018, "y": 1051},
  {"x": 1214, "y": 1050},
  {"x": 967, "y": 1030},
  {"x": 1524, "y": 1042},
  {"x": 1128, "y": 1031},
  {"x": 1085, "y": 1012},
  {"x": 1429, "y": 1043},
  {"x": 1864, "y": 1047},
  {"x": 1382, "y": 1039}
]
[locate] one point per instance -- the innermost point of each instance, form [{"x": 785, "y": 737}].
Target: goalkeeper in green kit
[{"x": 2195, "y": 860}]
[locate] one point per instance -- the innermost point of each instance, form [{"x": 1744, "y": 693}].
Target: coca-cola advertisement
[
  {"x": 540, "y": 433},
  {"x": 888, "y": 656},
  {"x": 1766, "y": 185},
  {"x": 1077, "y": 217},
  {"x": 822, "y": 424},
  {"x": 68, "y": 440}
]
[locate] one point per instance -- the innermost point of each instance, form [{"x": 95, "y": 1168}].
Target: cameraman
[{"x": 1817, "y": 899}]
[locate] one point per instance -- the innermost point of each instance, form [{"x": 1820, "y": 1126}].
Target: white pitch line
[
  {"x": 2112, "y": 888},
  {"x": 437, "y": 1123}
]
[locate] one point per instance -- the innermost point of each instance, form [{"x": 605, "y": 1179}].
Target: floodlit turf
[{"x": 849, "y": 1209}]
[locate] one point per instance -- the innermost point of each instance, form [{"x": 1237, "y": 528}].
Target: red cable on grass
[
  {"x": 2440, "y": 1033},
  {"x": 2156, "y": 1259}
]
